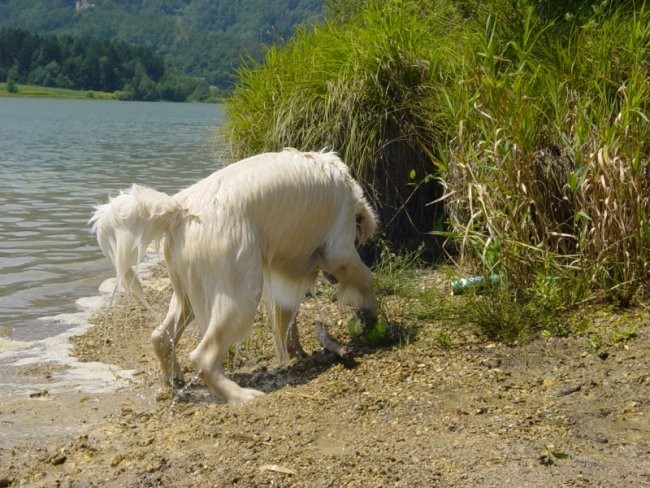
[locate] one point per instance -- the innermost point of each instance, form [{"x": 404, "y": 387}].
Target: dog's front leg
[
  {"x": 356, "y": 285},
  {"x": 294, "y": 348}
]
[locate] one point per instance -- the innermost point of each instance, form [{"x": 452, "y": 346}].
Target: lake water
[{"x": 60, "y": 158}]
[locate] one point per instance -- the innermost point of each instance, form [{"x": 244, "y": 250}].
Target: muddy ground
[{"x": 443, "y": 408}]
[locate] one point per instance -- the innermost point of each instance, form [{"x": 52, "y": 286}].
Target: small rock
[
  {"x": 493, "y": 363},
  {"x": 568, "y": 390},
  {"x": 117, "y": 460},
  {"x": 546, "y": 382},
  {"x": 58, "y": 459},
  {"x": 146, "y": 442},
  {"x": 163, "y": 396},
  {"x": 603, "y": 355}
]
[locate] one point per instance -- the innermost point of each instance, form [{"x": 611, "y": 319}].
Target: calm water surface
[{"x": 60, "y": 158}]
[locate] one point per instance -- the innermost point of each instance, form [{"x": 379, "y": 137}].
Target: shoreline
[
  {"x": 54, "y": 355},
  {"x": 50, "y": 393},
  {"x": 36, "y": 91},
  {"x": 552, "y": 411},
  {"x": 21, "y": 362}
]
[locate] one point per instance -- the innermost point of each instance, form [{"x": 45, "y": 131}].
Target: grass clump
[
  {"x": 368, "y": 87},
  {"x": 547, "y": 175}
]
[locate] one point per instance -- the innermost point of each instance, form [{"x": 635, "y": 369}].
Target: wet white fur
[{"x": 261, "y": 228}]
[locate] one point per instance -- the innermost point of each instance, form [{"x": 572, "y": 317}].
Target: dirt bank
[{"x": 460, "y": 412}]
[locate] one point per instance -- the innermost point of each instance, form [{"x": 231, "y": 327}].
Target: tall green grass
[
  {"x": 368, "y": 88},
  {"x": 547, "y": 175},
  {"x": 524, "y": 126}
]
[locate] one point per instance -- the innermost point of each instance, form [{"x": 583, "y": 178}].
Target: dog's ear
[
  {"x": 366, "y": 220},
  {"x": 359, "y": 222}
]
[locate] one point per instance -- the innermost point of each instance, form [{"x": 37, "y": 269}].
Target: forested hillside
[
  {"x": 201, "y": 38},
  {"x": 128, "y": 71}
]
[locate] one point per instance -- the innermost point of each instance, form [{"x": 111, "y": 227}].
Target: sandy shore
[{"x": 571, "y": 411}]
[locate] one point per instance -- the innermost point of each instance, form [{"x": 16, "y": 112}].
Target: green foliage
[
  {"x": 532, "y": 115},
  {"x": 200, "y": 38},
  {"x": 444, "y": 339},
  {"x": 88, "y": 64},
  {"x": 369, "y": 88},
  {"x": 380, "y": 333},
  {"x": 503, "y": 312},
  {"x": 623, "y": 335},
  {"x": 12, "y": 87},
  {"x": 394, "y": 272},
  {"x": 547, "y": 175}
]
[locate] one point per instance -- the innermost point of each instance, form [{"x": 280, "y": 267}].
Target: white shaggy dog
[{"x": 261, "y": 228}]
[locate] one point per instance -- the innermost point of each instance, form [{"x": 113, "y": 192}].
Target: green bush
[
  {"x": 369, "y": 88},
  {"x": 12, "y": 87}
]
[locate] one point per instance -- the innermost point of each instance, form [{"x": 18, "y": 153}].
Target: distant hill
[{"x": 204, "y": 38}]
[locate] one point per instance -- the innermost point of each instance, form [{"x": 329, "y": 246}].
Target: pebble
[
  {"x": 58, "y": 459},
  {"x": 568, "y": 390},
  {"x": 117, "y": 460}
]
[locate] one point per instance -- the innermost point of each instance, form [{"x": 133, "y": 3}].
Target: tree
[
  {"x": 201, "y": 93},
  {"x": 48, "y": 75},
  {"x": 201, "y": 38}
]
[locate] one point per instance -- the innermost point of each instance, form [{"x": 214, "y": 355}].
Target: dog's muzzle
[{"x": 368, "y": 319}]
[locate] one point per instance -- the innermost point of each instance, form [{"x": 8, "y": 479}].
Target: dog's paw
[
  {"x": 173, "y": 381},
  {"x": 244, "y": 395}
]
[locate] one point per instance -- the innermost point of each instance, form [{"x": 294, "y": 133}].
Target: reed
[{"x": 547, "y": 179}]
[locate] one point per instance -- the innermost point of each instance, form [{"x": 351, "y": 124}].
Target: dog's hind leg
[
  {"x": 231, "y": 318},
  {"x": 166, "y": 336}
]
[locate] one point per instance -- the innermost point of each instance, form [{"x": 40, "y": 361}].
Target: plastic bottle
[{"x": 459, "y": 285}]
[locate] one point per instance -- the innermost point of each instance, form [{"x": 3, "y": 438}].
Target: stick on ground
[{"x": 330, "y": 344}]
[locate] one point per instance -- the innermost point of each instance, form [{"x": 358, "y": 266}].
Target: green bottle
[{"x": 459, "y": 285}]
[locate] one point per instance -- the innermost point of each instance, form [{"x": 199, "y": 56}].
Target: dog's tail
[{"x": 127, "y": 224}]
